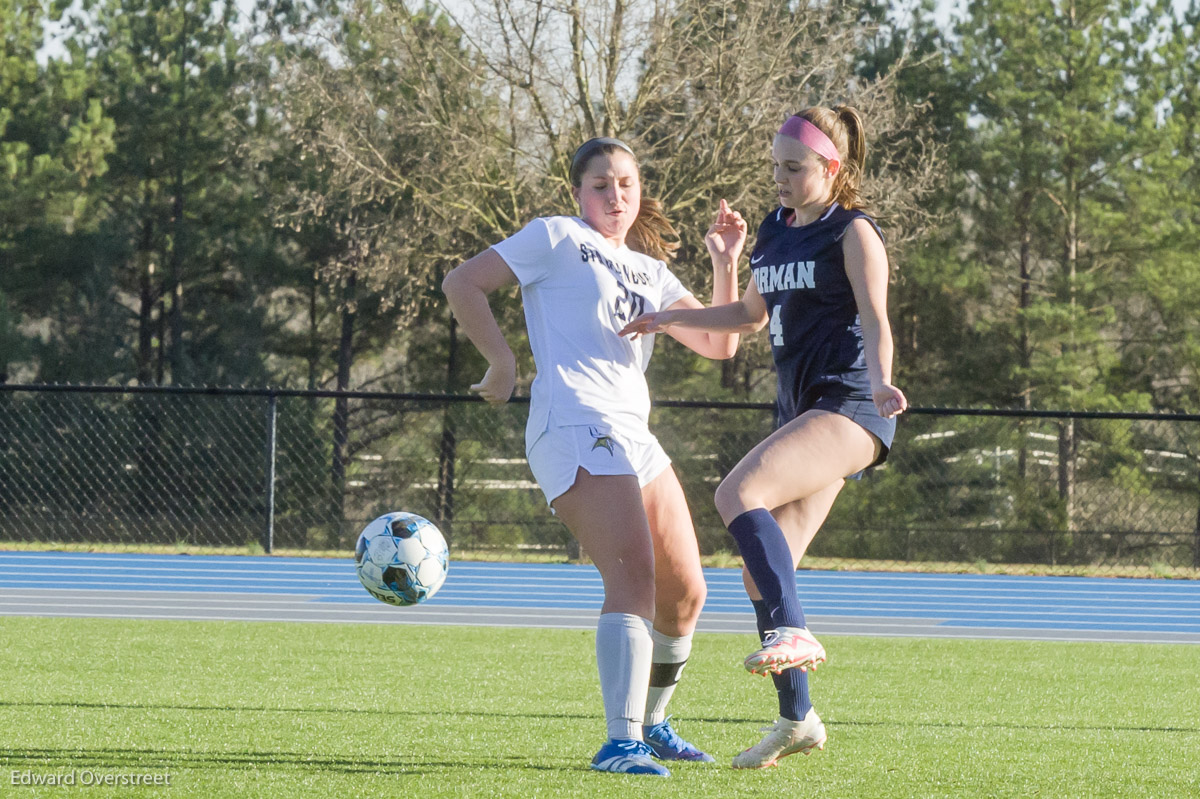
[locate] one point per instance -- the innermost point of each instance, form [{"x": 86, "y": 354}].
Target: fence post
[
  {"x": 447, "y": 454},
  {"x": 1196, "y": 543},
  {"x": 268, "y": 541}
]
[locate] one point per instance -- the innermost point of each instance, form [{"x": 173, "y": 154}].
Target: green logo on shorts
[{"x": 603, "y": 442}]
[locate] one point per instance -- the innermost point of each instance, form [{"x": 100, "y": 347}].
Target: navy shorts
[{"x": 855, "y": 404}]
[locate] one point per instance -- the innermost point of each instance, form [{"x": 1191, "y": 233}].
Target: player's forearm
[
  {"x": 725, "y": 287},
  {"x": 722, "y": 344},
  {"x": 470, "y": 307},
  {"x": 732, "y": 317},
  {"x": 878, "y": 351}
]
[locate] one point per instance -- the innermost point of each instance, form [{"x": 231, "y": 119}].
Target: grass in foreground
[{"x": 310, "y": 710}]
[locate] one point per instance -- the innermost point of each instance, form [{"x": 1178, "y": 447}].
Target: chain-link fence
[{"x": 282, "y": 470}]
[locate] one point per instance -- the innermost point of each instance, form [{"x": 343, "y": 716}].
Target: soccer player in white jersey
[{"x": 588, "y": 443}]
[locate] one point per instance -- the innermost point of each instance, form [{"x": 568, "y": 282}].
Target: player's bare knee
[
  {"x": 690, "y": 605},
  {"x": 730, "y": 499},
  {"x": 686, "y": 597},
  {"x": 725, "y": 498}
]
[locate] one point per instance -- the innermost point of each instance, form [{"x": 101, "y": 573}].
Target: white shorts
[{"x": 558, "y": 454}]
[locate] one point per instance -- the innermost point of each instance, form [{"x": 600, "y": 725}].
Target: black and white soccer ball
[{"x": 401, "y": 558}]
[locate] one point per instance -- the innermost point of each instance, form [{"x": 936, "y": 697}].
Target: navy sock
[
  {"x": 792, "y": 684},
  {"x": 768, "y": 558}
]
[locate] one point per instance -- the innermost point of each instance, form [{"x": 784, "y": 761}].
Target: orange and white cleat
[
  {"x": 786, "y": 648},
  {"x": 787, "y": 737}
]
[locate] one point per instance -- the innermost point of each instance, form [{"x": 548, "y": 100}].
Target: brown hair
[
  {"x": 651, "y": 233},
  {"x": 844, "y": 127}
]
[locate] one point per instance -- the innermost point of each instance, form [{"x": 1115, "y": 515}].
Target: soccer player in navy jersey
[{"x": 819, "y": 277}]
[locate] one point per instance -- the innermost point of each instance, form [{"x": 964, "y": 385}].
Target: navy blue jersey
[{"x": 815, "y": 333}]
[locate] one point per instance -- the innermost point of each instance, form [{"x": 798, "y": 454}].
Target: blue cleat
[
  {"x": 627, "y": 756},
  {"x": 666, "y": 744}
]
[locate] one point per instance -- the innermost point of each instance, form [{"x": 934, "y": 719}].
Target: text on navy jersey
[{"x": 780, "y": 277}]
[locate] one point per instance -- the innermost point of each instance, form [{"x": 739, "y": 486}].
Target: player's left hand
[
  {"x": 726, "y": 236},
  {"x": 889, "y": 400}
]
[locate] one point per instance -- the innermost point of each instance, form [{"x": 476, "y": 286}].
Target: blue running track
[{"x": 838, "y": 603}]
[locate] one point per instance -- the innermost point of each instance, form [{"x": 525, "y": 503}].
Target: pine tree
[
  {"x": 55, "y": 139},
  {"x": 1063, "y": 133}
]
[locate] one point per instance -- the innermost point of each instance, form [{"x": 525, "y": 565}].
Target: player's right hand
[
  {"x": 497, "y": 384},
  {"x": 646, "y": 324}
]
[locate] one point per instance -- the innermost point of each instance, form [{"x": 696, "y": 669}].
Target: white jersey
[{"x": 578, "y": 291}]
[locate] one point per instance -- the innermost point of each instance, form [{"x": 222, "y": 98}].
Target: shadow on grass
[
  {"x": 1000, "y": 725},
  {"x": 963, "y": 725},
  {"x": 97, "y": 758},
  {"x": 335, "y": 711}
]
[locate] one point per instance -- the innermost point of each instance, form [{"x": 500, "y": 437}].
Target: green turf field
[{"x": 313, "y": 710}]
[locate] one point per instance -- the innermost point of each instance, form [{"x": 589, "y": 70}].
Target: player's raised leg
[
  {"x": 605, "y": 514},
  {"x": 814, "y": 451},
  {"x": 795, "y": 729},
  {"x": 679, "y": 596},
  {"x": 799, "y": 521}
]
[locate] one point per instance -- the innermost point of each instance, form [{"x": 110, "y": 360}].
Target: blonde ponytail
[{"x": 843, "y": 125}]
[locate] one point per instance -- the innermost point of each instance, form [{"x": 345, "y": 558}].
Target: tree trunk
[
  {"x": 341, "y": 409},
  {"x": 1067, "y": 445},
  {"x": 159, "y": 349},
  {"x": 729, "y": 373},
  {"x": 147, "y": 298},
  {"x": 176, "y": 355},
  {"x": 180, "y": 374},
  {"x": 1024, "y": 301},
  {"x": 1196, "y": 542},
  {"x": 447, "y": 452},
  {"x": 1066, "y": 471},
  {"x": 314, "y": 337}
]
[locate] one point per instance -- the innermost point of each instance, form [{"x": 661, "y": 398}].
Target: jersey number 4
[{"x": 776, "y": 328}]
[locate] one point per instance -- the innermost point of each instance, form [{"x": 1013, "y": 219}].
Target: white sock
[
  {"x": 670, "y": 655},
  {"x": 624, "y": 650}
]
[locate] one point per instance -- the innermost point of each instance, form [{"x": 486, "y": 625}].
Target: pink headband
[{"x": 810, "y": 135}]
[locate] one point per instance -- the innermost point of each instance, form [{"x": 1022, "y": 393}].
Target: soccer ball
[{"x": 401, "y": 558}]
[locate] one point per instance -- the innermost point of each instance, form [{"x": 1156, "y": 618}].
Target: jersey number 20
[{"x": 630, "y": 306}]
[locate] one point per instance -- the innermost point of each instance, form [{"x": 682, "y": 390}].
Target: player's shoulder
[
  {"x": 539, "y": 242},
  {"x": 773, "y": 224},
  {"x": 560, "y": 222},
  {"x": 854, "y": 222},
  {"x": 839, "y": 212},
  {"x": 774, "y": 220},
  {"x": 647, "y": 262},
  {"x": 561, "y": 227}
]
